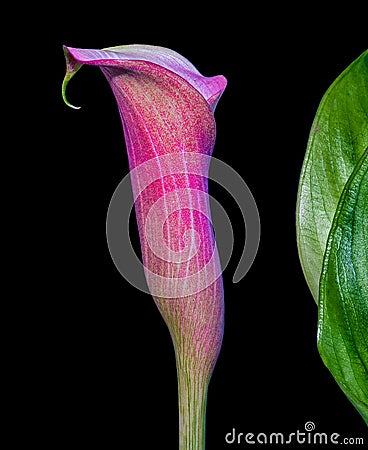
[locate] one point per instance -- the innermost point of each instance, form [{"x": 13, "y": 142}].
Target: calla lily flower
[{"x": 167, "y": 112}]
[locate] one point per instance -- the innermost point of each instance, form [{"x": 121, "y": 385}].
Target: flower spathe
[{"x": 167, "y": 112}]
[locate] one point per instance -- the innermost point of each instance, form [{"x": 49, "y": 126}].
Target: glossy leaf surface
[
  {"x": 337, "y": 140},
  {"x": 332, "y": 235},
  {"x": 343, "y": 304}
]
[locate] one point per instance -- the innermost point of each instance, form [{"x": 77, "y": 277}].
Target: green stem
[{"x": 192, "y": 390}]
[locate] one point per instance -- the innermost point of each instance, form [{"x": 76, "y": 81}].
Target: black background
[{"x": 105, "y": 362}]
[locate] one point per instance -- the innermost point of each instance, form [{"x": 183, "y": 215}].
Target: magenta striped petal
[{"x": 167, "y": 112}]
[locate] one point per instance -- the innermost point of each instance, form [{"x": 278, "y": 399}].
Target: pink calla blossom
[{"x": 167, "y": 108}]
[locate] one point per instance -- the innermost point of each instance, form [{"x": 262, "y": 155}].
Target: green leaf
[
  {"x": 332, "y": 229},
  {"x": 338, "y": 138},
  {"x": 343, "y": 296}
]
